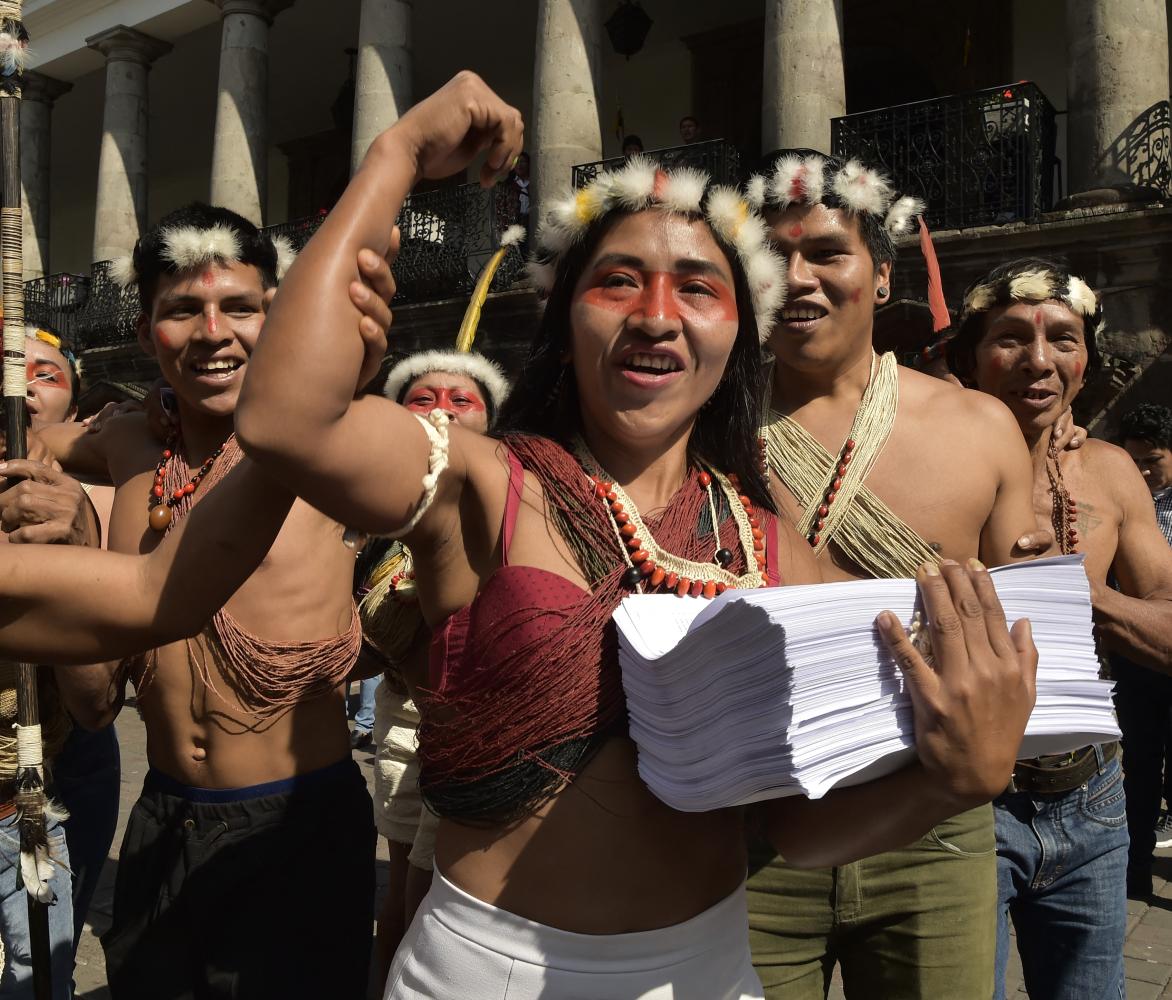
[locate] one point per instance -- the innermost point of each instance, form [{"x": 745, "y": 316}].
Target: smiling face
[
  {"x": 1032, "y": 357},
  {"x": 653, "y": 320},
  {"x": 457, "y": 395},
  {"x": 203, "y": 325},
  {"x": 833, "y": 288},
  {"x": 50, "y": 386}
]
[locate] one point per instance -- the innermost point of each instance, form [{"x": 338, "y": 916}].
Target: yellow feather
[{"x": 472, "y": 314}]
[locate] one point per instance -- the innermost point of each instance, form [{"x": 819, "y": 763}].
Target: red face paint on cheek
[
  {"x": 1078, "y": 369},
  {"x": 856, "y": 295},
  {"x": 162, "y": 339},
  {"x": 795, "y": 230}
]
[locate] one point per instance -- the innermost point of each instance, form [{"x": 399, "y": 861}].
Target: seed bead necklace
[
  {"x": 651, "y": 568},
  {"x": 1063, "y": 507},
  {"x": 160, "y": 509}
]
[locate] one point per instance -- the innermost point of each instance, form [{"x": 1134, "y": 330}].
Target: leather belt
[{"x": 1061, "y": 773}]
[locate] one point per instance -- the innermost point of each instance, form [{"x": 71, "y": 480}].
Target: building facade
[{"x": 135, "y": 107}]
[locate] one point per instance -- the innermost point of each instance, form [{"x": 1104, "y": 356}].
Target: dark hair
[
  {"x": 1147, "y": 422},
  {"x": 962, "y": 348},
  {"x": 871, "y": 227},
  {"x": 150, "y": 263},
  {"x": 690, "y": 118},
  {"x": 544, "y": 399},
  {"x": 632, "y": 140}
]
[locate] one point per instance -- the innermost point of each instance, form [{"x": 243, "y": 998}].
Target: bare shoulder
[
  {"x": 1113, "y": 467},
  {"x": 932, "y": 400}
]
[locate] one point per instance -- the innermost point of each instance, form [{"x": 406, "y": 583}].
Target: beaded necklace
[
  {"x": 160, "y": 510},
  {"x": 1063, "y": 507},
  {"x": 651, "y": 568}
]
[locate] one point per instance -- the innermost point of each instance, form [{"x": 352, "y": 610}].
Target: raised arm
[
  {"x": 1136, "y": 622},
  {"x": 971, "y": 710},
  {"x": 360, "y": 461},
  {"x": 76, "y": 605}
]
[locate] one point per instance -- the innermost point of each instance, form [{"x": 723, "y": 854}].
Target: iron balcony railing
[
  {"x": 718, "y": 157},
  {"x": 447, "y": 236},
  {"x": 982, "y": 158}
]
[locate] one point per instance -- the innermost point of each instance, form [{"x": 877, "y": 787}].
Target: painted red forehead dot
[
  {"x": 1037, "y": 317},
  {"x": 207, "y": 277},
  {"x": 795, "y": 230}
]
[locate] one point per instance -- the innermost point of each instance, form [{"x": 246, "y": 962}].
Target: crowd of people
[{"x": 702, "y": 408}]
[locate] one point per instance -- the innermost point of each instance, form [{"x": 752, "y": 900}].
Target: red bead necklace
[
  {"x": 647, "y": 562},
  {"x": 160, "y": 510},
  {"x": 844, "y": 460}
]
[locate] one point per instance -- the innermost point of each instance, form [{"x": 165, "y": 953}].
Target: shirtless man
[
  {"x": 252, "y": 805},
  {"x": 946, "y": 477},
  {"x": 1027, "y": 337}
]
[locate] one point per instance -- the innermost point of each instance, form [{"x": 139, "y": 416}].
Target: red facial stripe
[
  {"x": 45, "y": 375},
  {"x": 795, "y": 230},
  {"x": 1077, "y": 369},
  {"x": 162, "y": 338},
  {"x": 662, "y": 295},
  {"x": 856, "y": 295},
  {"x": 1037, "y": 317},
  {"x": 425, "y": 398},
  {"x": 212, "y": 323}
]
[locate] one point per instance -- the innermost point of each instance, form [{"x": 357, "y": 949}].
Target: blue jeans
[
  {"x": 17, "y": 978},
  {"x": 364, "y": 716},
  {"x": 1061, "y": 875},
  {"x": 86, "y": 778}
]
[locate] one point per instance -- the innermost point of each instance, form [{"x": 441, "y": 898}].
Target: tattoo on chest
[{"x": 1088, "y": 520}]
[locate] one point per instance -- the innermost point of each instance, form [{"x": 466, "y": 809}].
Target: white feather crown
[
  {"x": 806, "y": 180},
  {"x": 1033, "y": 284},
  {"x": 186, "y": 247},
  {"x": 475, "y": 366},
  {"x": 641, "y": 184}
]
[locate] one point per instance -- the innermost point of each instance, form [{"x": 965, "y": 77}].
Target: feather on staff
[{"x": 35, "y": 861}]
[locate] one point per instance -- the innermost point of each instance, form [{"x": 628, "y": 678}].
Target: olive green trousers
[{"x": 914, "y": 924}]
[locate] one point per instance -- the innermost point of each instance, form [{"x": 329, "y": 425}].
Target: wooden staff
[{"x": 35, "y": 865}]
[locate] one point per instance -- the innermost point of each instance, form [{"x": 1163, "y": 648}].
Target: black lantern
[{"x": 628, "y": 27}]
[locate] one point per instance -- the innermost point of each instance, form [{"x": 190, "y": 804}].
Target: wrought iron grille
[
  {"x": 718, "y": 157},
  {"x": 1141, "y": 154},
  {"x": 55, "y": 301},
  {"x": 981, "y": 158},
  {"x": 447, "y": 237}
]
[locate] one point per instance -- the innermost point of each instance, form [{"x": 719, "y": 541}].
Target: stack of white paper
[{"x": 790, "y": 690}]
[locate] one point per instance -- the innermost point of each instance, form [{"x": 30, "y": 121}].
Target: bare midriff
[{"x": 603, "y": 856}]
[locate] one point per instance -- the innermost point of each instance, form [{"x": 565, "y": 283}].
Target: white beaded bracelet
[{"x": 436, "y": 426}]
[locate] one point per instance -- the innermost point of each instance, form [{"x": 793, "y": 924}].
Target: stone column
[
  {"x": 566, "y": 129},
  {"x": 240, "y": 162},
  {"x": 1117, "y": 69},
  {"x": 804, "y": 86},
  {"x": 36, "y": 119},
  {"x": 122, "y": 167},
  {"x": 382, "y": 87}
]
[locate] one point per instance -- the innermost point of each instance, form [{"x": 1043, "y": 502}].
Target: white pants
[{"x": 460, "y": 948}]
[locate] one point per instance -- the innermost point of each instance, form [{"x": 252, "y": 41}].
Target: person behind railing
[
  {"x": 632, "y": 146},
  {"x": 517, "y": 186},
  {"x": 689, "y": 129}
]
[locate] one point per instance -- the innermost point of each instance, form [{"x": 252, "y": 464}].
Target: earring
[{"x": 882, "y": 291}]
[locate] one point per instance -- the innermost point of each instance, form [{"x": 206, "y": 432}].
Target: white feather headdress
[
  {"x": 475, "y": 366},
  {"x": 642, "y": 184},
  {"x": 193, "y": 246},
  {"x": 806, "y": 180},
  {"x": 1037, "y": 282}
]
